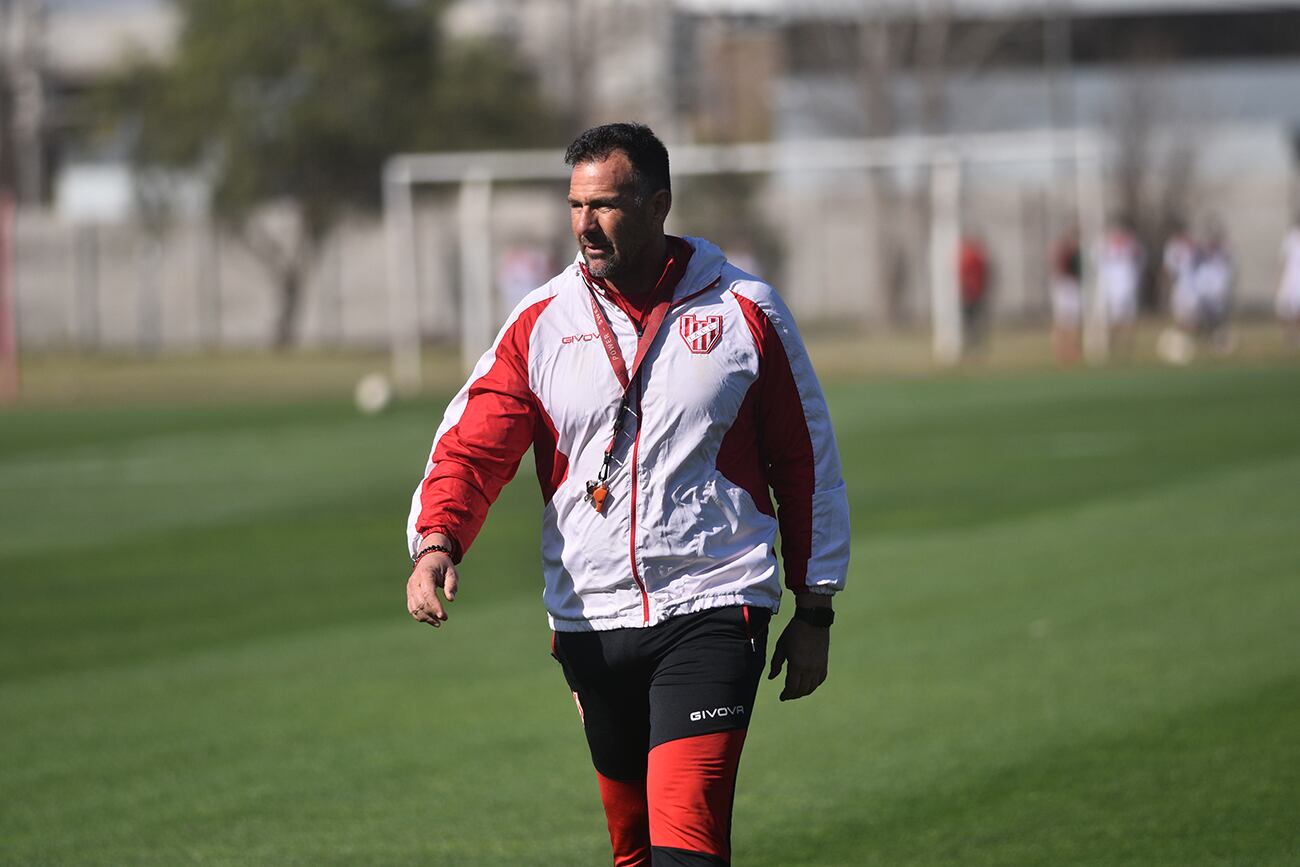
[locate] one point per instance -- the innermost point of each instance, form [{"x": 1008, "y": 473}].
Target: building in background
[
  {"x": 748, "y": 70},
  {"x": 1195, "y": 100},
  {"x": 55, "y": 53},
  {"x": 1191, "y": 96}
]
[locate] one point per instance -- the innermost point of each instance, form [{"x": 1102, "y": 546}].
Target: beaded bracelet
[{"x": 430, "y": 548}]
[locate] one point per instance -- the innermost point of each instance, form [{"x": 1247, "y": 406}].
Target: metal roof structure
[{"x": 815, "y": 9}]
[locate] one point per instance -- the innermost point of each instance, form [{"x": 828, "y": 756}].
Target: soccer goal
[{"x": 804, "y": 214}]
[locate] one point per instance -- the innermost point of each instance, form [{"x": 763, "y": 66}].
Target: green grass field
[{"x": 1072, "y": 638}]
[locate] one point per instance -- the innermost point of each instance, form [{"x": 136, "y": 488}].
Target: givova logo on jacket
[{"x": 700, "y": 335}]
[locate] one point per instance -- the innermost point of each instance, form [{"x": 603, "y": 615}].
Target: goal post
[
  {"x": 9, "y": 374},
  {"x": 473, "y": 176}
]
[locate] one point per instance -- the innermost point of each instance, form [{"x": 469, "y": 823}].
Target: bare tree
[
  {"x": 929, "y": 45},
  {"x": 1153, "y": 184},
  {"x": 878, "y": 71}
]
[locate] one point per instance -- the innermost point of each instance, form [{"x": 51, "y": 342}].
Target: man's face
[{"x": 614, "y": 232}]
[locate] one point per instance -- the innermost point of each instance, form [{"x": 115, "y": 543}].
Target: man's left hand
[{"x": 807, "y": 649}]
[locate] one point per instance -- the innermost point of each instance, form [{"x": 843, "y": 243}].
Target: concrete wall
[
  {"x": 816, "y": 235},
  {"x": 118, "y": 288}
]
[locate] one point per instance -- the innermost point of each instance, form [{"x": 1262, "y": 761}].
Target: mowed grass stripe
[
  {"x": 162, "y": 481},
  {"x": 1063, "y": 679},
  {"x": 175, "y": 559},
  {"x": 359, "y": 739},
  {"x": 961, "y": 676},
  {"x": 954, "y": 451},
  {"x": 289, "y": 686},
  {"x": 1212, "y": 784}
]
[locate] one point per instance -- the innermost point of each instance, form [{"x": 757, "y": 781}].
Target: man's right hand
[{"x": 433, "y": 573}]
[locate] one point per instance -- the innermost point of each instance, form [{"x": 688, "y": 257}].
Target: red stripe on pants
[
  {"x": 626, "y": 814},
  {"x": 691, "y": 784}
]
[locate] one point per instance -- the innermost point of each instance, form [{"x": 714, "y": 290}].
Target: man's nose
[{"x": 584, "y": 220}]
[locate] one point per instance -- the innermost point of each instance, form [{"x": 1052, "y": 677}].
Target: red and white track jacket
[{"x": 726, "y": 406}]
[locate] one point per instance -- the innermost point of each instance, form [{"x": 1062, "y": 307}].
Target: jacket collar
[{"x": 704, "y": 267}]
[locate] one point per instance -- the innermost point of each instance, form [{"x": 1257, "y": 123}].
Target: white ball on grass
[
  {"x": 1175, "y": 347},
  {"x": 373, "y": 394}
]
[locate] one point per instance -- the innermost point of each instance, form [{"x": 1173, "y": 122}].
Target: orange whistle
[{"x": 598, "y": 494}]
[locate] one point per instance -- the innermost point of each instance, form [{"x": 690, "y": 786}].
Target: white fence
[
  {"x": 467, "y": 235},
  {"x": 117, "y": 288}
]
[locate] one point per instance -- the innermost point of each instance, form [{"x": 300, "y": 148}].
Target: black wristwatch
[{"x": 822, "y": 617}]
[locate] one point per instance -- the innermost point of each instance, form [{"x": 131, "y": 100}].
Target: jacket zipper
[{"x": 636, "y": 575}]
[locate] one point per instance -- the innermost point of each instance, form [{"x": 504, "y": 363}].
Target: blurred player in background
[
  {"x": 668, "y": 398},
  {"x": 1067, "y": 298},
  {"x": 1214, "y": 279},
  {"x": 522, "y": 268},
  {"x": 1119, "y": 272},
  {"x": 1179, "y": 263},
  {"x": 973, "y": 282},
  {"x": 1288, "y": 290},
  {"x": 1177, "y": 343}
]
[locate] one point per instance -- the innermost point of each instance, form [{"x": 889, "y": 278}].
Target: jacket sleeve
[
  {"x": 798, "y": 449},
  {"x": 486, "y": 430}
]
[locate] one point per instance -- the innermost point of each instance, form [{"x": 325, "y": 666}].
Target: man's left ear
[{"x": 661, "y": 203}]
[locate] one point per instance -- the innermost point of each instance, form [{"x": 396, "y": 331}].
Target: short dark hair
[{"x": 648, "y": 156}]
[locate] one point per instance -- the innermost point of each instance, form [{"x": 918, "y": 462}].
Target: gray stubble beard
[{"x": 610, "y": 268}]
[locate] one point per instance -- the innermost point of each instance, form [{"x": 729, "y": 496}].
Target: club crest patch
[{"x": 700, "y": 334}]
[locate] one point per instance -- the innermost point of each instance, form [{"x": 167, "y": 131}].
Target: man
[
  {"x": 1180, "y": 276},
  {"x": 973, "y": 284},
  {"x": 1119, "y": 275},
  {"x": 1067, "y": 298},
  {"x": 663, "y": 392},
  {"x": 1287, "y": 304},
  {"x": 1214, "y": 277}
]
